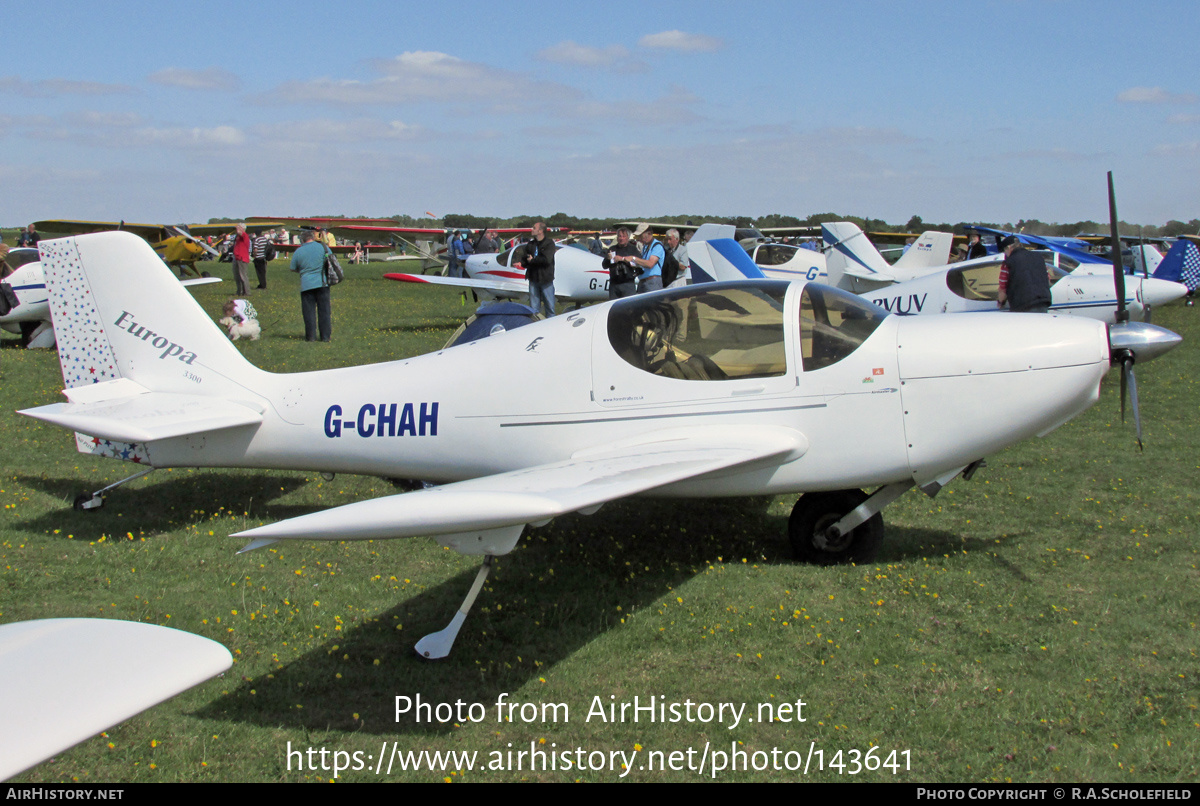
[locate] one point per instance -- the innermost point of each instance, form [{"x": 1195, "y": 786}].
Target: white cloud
[
  {"x": 1154, "y": 95},
  {"x": 48, "y": 87},
  {"x": 183, "y": 137},
  {"x": 426, "y": 76},
  {"x": 673, "y": 109},
  {"x": 325, "y": 130},
  {"x": 614, "y": 58},
  {"x": 681, "y": 41},
  {"x": 212, "y": 78},
  {"x": 1177, "y": 149}
]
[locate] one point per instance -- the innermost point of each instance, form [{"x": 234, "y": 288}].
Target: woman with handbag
[{"x": 309, "y": 261}]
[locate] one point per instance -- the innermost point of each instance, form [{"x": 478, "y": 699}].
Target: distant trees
[{"x": 914, "y": 224}]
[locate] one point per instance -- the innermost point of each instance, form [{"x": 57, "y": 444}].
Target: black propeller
[{"x": 1128, "y": 341}]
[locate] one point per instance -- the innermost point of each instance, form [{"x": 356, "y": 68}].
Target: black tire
[
  {"x": 84, "y": 498},
  {"x": 815, "y": 512}
]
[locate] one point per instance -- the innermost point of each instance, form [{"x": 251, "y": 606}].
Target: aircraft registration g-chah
[{"x": 720, "y": 389}]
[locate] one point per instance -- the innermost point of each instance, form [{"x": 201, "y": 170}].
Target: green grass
[{"x": 1035, "y": 624}]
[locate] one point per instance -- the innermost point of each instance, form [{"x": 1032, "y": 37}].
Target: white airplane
[
  {"x": 1084, "y": 289},
  {"x": 974, "y": 286},
  {"x": 30, "y": 317},
  {"x": 968, "y": 286},
  {"x": 67, "y": 679},
  {"x": 725, "y": 389},
  {"x": 579, "y": 276}
]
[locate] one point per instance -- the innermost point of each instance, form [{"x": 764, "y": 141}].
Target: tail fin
[
  {"x": 720, "y": 259},
  {"x": 851, "y": 257},
  {"x": 121, "y": 313},
  {"x": 126, "y": 326},
  {"x": 1181, "y": 264},
  {"x": 929, "y": 250}
]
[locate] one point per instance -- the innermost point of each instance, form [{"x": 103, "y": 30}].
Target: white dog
[{"x": 241, "y": 320}]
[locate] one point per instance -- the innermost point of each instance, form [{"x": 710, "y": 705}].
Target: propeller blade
[
  {"x": 1124, "y": 373},
  {"x": 1118, "y": 267},
  {"x": 1137, "y": 417}
]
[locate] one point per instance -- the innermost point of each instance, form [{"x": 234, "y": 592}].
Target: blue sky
[{"x": 993, "y": 110}]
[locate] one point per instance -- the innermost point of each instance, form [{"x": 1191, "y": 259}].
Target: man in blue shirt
[
  {"x": 651, "y": 261},
  {"x": 460, "y": 247},
  {"x": 309, "y": 261}
]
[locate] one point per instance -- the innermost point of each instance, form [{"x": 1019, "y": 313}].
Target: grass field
[{"x": 1038, "y": 623}]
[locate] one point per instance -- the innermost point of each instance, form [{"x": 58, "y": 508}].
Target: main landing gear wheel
[
  {"x": 814, "y": 513},
  {"x": 85, "y": 502}
]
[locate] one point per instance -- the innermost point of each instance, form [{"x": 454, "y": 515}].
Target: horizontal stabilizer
[
  {"x": 481, "y": 507},
  {"x": 145, "y": 417},
  {"x": 68, "y": 679}
]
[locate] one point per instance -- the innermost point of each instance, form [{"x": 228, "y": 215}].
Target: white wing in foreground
[{"x": 64, "y": 680}]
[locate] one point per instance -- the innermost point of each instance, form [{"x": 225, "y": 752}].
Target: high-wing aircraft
[
  {"x": 177, "y": 245},
  {"x": 579, "y": 276},
  {"x": 722, "y": 389}
]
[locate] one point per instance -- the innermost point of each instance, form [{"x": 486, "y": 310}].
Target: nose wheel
[{"x": 812, "y": 539}]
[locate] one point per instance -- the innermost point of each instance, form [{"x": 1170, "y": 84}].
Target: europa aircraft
[{"x": 721, "y": 389}]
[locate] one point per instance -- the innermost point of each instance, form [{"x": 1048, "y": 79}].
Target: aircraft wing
[
  {"x": 123, "y": 411},
  {"x": 788, "y": 232},
  {"x": 487, "y": 514},
  {"x": 501, "y": 286},
  {"x": 151, "y": 232},
  {"x": 224, "y": 229},
  {"x": 68, "y": 679},
  {"x": 658, "y": 227}
]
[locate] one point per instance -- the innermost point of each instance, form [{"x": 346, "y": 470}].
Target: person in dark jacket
[
  {"x": 622, "y": 273},
  {"x": 537, "y": 257},
  {"x": 1024, "y": 284}
]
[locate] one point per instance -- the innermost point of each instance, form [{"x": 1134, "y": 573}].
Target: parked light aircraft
[
  {"x": 30, "y": 317},
  {"x": 973, "y": 285},
  {"x": 726, "y": 389},
  {"x": 176, "y": 244},
  {"x": 579, "y": 276},
  {"x": 852, "y": 256}
]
